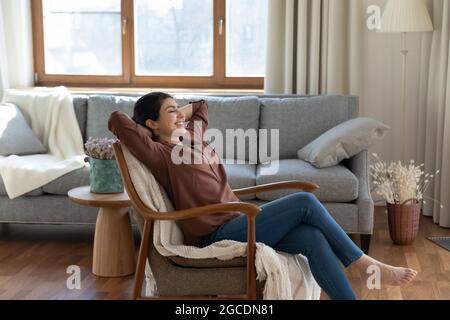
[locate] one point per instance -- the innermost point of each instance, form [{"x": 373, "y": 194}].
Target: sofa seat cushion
[
  {"x": 32, "y": 193},
  {"x": 63, "y": 184},
  {"x": 337, "y": 183},
  {"x": 241, "y": 176}
]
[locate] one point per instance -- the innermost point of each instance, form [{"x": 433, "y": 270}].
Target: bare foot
[{"x": 390, "y": 275}]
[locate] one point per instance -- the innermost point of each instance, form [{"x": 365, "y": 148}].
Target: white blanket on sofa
[
  {"x": 287, "y": 276},
  {"x": 51, "y": 116}
]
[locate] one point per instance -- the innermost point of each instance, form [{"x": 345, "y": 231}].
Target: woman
[{"x": 297, "y": 223}]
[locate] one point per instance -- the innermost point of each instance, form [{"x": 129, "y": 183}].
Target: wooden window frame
[{"x": 128, "y": 77}]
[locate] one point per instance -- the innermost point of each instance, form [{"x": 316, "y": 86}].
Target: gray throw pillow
[
  {"x": 343, "y": 141},
  {"x": 16, "y": 136}
]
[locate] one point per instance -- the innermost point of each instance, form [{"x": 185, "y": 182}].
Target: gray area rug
[{"x": 443, "y": 242}]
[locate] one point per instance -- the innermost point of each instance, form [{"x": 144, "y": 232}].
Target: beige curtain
[
  {"x": 4, "y": 79},
  {"x": 324, "y": 47},
  {"x": 314, "y": 46},
  {"x": 16, "y": 55},
  {"x": 434, "y": 121}
]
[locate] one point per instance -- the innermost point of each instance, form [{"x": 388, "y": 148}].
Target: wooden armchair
[{"x": 193, "y": 277}]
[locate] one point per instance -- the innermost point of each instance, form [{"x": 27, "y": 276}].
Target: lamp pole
[{"x": 404, "y": 53}]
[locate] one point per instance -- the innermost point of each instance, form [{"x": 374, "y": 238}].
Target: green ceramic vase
[{"x": 104, "y": 176}]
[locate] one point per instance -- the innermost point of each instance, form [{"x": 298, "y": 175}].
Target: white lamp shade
[{"x": 406, "y": 16}]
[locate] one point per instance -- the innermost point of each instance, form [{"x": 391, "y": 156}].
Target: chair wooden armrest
[
  {"x": 295, "y": 184},
  {"x": 248, "y": 209}
]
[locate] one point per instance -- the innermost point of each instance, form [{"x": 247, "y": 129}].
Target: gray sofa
[{"x": 343, "y": 188}]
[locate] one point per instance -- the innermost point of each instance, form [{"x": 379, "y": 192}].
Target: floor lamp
[{"x": 403, "y": 16}]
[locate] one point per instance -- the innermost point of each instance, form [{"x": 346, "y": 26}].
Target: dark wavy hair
[{"x": 148, "y": 107}]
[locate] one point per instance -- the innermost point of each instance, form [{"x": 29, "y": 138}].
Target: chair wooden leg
[
  {"x": 251, "y": 270},
  {"x": 365, "y": 242},
  {"x": 142, "y": 259}
]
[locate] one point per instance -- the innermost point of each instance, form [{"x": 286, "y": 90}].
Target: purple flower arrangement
[{"x": 100, "y": 148}]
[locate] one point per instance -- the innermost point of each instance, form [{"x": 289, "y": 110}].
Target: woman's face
[{"x": 170, "y": 119}]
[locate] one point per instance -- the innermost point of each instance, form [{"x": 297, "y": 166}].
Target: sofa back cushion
[
  {"x": 80, "y": 104},
  {"x": 238, "y": 115},
  {"x": 99, "y": 110},
  {"x": 224, "y": 113},
  {"x": 300, "y": 120}
]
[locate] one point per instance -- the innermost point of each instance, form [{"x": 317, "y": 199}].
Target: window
[
  {"x": 82, "y": 37},
  {"x": 159, "y": 43},
  {"x": 246, "y": 38},
  {"x": 174, "y": 38}
]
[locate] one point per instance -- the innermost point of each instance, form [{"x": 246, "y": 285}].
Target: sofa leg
[{"x": 365, "y": 242}]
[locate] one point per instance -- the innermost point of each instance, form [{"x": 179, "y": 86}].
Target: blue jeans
[{"x": 300, "y": 224}]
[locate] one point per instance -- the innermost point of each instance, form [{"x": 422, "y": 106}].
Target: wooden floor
[
  {"x": 431, "y": 261},
  {"x": 34, "y": 260}
]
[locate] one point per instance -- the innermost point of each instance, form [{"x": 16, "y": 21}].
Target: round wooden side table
[{"x": 113, "y": 254}]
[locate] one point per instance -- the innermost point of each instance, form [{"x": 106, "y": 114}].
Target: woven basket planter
[{"x": 404, "y": 221}]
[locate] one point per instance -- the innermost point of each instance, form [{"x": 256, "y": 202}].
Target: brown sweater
[{"x": 187, "y": 185}]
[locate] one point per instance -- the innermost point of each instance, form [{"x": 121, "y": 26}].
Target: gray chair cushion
[
  {"x": 99, "y": 110},
  {"x": 174, "y": 279},
  {"x": 241, "y": 176},
  {"x": 232, "y": 113},
  {"x": 209, "y": 263},
  {"x": 301, "y": 120},
  {"x": 71, "y": 180},
  {"x": 16, "y": 136},
  {"x": 337, "y": 184}
]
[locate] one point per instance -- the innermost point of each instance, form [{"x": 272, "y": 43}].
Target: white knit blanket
[
  {"x": 287, "y": 276},
  {"x": 51, "y": 116}
]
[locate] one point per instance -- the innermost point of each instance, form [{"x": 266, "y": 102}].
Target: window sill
[{"x": 175, "y": 91}]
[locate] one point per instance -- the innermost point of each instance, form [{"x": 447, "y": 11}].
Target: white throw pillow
[{"x": 343, "y": 142}]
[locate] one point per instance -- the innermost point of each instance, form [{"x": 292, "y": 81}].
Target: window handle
[
  {"x": 221, "y": 21},
  {"x": 124, "y": 25}
]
